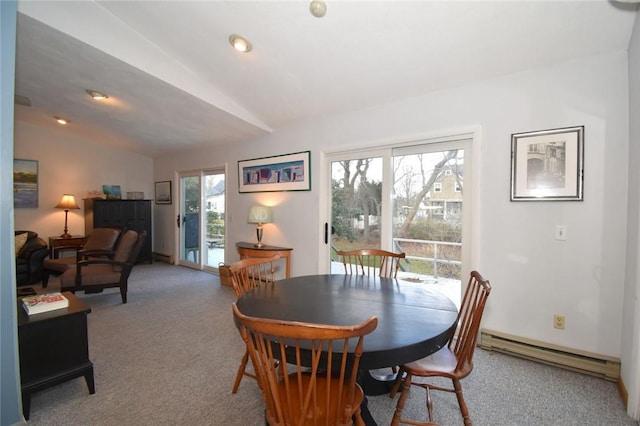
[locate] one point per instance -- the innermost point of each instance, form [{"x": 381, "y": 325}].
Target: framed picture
[
  {"x": 547, "y": 165},
  {"x": 163, "y": 192},
  {"x": 112, "y": 192},
  {"x": 25, "y": 184},
  {"x": 290, "y": 172}
]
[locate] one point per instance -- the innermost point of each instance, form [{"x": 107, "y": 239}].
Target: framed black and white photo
[
  {"x": 547, "y": 165},
  {"x": 163, "y": 192}
]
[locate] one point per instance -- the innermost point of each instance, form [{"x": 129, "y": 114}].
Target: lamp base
[
  {"x": 259, "y": 235},
  {"x": 66, "y": 228}
]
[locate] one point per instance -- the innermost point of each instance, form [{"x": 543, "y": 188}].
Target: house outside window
[{"x": 437, "y": 187}]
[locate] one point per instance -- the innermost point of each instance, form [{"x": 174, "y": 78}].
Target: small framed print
[
  {"x": 163, "y": 192},
  {"x": 547, "y": 165}
]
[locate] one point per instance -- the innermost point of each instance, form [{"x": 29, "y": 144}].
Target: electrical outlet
[{"x": 558, "y": 321}]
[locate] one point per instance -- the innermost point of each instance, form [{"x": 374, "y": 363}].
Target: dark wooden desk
[
  {"x": 53, "y": 348},
  {"x": 250, "y": 250}
]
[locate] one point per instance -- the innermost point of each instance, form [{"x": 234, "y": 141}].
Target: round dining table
[{"x": 414, "y": 320}]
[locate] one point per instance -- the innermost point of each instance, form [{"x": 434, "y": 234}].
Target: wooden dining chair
[
  {"x": 319, "y": 386},
  {"x": 247, "y": 274},
  {"x": 371, "y": 262},
  {"x": 454, "y": 361}
]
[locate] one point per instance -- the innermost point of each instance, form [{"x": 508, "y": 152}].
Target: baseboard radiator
[
  {"x": 161, "y": 257},
  {"x": 584, "y": 362}
]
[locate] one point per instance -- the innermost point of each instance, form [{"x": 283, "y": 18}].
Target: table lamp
[
  {"x": 260, "y": 215},
  {"x": 67, "y": 203}
]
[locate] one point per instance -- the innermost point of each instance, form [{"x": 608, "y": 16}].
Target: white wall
[
  {"x": 533, "y": 275},
  {"x": 74, "y": 165},
  {"x": 630, "y": 352}
]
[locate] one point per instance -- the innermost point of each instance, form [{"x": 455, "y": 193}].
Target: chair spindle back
[
  {"x": 371, "y": 262},
  {"x": 319, "y": 387}
]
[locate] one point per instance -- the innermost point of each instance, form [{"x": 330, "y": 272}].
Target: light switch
[{"x": 561, "y": 232}]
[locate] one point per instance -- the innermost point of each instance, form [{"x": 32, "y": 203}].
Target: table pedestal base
[{"x": 374, "y": 384}]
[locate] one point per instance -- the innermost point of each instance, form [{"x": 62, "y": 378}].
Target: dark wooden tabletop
[
  {"x": 263, "y": 247},
  {"x": 76, "y": 306},
  {"x": 413, "y": 320}
]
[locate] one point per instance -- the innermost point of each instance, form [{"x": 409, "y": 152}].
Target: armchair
[
  {"x": 29, "y": 258},
  {"x": 94, "y": 274},
  {"x": 99, "y": 239}
]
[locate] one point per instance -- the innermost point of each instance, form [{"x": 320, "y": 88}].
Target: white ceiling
[{"x": 175, "y": 82}]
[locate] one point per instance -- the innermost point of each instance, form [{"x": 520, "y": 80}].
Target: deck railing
[{"x": 438, "y": 257}]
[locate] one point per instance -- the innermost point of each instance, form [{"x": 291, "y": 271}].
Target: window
[
  {"x": 458, "y": 187},
  {"x": 447, "y": 172},
  {"x": 437, "y": 187}
]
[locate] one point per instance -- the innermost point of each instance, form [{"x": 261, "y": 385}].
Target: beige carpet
[{"x": 169, "y": 357}]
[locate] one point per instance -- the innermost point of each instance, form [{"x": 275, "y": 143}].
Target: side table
[
  {"x": 250, "y": 250},
  {"x": 58, "y": 243},
  {"x": 53, "y": 348}
]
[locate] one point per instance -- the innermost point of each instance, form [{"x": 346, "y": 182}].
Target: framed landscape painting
[
  {"x": 547, "y": 165},
  {"x": 25, "y": 184},
  {"x": 112, "y": 192},
  {"x": 289, "y": 172}
]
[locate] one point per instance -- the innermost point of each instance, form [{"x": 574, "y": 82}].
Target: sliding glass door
[
  {"x": 356, "y": 202},
  {"x": 214, "y": 208},
  {"x": 201, "y": 220},
  {"x": 409, "y": 198}
]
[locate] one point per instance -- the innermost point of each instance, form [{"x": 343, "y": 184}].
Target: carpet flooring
[{"x": 169, "y": 357}]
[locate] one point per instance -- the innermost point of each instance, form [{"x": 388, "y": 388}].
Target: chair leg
[
  {"x": 429, "y": 403},
  {"x": 357, "y": 418},
  {"x": 45, "y": 278},
  {"x": 463, "y": 405},
  {"x": 396, "y": 383},
  {"x": 123, "y": 294},
  {"x": 241, "y": 370},
  {"x": 406, "y": 385}
]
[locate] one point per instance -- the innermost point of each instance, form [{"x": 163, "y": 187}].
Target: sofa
[{"x": 31, "y": 251}]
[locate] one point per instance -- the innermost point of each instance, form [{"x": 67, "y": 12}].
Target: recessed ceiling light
[
  {"x": 97, "y": 95},
  {"x": 240, "y": 43},
  {"x": 318, "y": 8},
  {"x": 61, "y": 120}
]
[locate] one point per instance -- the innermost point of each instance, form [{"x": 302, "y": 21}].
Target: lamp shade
[
  {"x": 260, "y": 214},
  {"x": 68, "y": 202}
]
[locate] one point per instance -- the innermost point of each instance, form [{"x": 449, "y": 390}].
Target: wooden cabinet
[
  {"x": 125, "y": 214},
  {"x": 251, "y": 250}
]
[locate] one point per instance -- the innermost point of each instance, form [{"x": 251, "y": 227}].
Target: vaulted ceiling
[{"x": 174, "y": 82}]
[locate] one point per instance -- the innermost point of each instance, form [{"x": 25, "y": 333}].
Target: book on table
[{"x": 44, "y": 303}]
